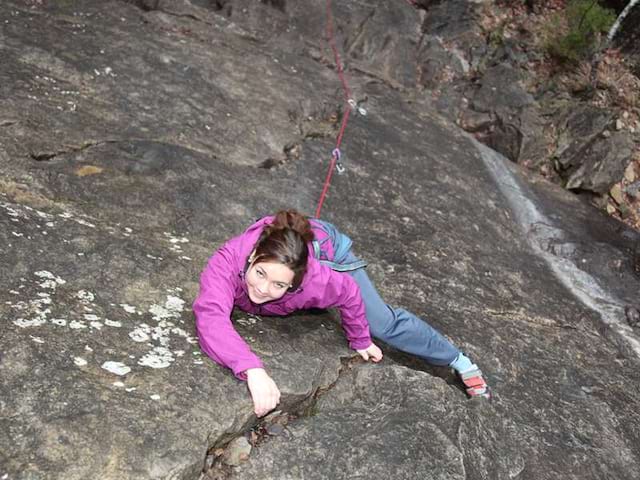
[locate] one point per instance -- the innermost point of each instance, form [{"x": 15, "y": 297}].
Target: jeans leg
[{"x": 400, "y": 328}]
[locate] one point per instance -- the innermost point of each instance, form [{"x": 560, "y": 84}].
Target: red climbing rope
[
  {"x": 335, "y": 156},
  {"x": 336, "y": 55}
]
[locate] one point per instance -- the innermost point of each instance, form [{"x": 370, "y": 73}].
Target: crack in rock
[
  {"x": 636, "y": 259},
  {"x": 44, "y": 156},
  {"x": 161, "y": 6},
  {"x": 359, "y": 32},
  {"x": 291, "y": 152},
  {"x": 260, "y": 430}
]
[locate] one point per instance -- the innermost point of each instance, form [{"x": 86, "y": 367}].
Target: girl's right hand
[
  {"x": 264, "y": 391},
  {"x": 372, "y": 352}
]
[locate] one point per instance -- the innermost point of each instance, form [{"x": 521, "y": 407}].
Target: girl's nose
[{"x": 262, "y": 287}]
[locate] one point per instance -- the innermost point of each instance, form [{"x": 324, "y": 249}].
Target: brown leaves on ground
[
  {"x": 615, "y": 88},
  {"x": 623, "y": 201}
]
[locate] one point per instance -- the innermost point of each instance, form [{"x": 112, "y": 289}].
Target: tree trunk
[{"x": 597, "y": 58}]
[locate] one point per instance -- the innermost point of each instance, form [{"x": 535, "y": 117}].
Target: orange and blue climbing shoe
[{"x": 474, "y": 383}]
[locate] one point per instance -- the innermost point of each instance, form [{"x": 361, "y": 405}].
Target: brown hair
[{"x": 285, "y": 241}]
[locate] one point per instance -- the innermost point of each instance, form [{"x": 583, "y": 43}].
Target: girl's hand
[
  {"x": 372, "y": 352},
  {"x": 264, "y": 392}
]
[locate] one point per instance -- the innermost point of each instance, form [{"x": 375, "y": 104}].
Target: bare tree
[
  {"x": 616, "y": 25},
  {"x": 609, "y": 39}
]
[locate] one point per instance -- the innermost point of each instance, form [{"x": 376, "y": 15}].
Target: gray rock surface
[
  {"x": 387, "y": 421},
  {"x": 602, "y": 164},
  {"x": 135, "y": 137},
  {"x": 237, "y": 452},
  {"x": 516, "y": 128},
  {"x": 590, "y": 154}
]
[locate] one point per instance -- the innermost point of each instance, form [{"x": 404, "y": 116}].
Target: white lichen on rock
[
  {"x": 172, "y": 308},
  {"x": 158, "y": 357},
  {"x": 85, "y": 223},
  {"x": 156, "y": 335},
  {"x": 128, "y": 308},
  {"x": 246, "y": 321},
  {"x": 85, "y": 297},
  {"x": 117, "y": 368},
  {"x": 50, "y": 281},
  {"x": 79, "y": 361},
  {"x": 175, "y": 242},
  {"x": 141, "y": 333},
  {"x": 37, "y": 308}
]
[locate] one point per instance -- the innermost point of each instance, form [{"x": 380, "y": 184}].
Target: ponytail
[
  {"x": 285, "y": 241},
  {"x": 293, "y": 220}
]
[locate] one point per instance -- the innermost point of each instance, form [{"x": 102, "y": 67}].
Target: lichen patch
[
  {"x": 79, "y": 361},
  {"x": 158, "y": 357},
  {"x": 117, "y": 368}
]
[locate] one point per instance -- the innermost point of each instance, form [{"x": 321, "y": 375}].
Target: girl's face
[{"x": 267, "y": 281}]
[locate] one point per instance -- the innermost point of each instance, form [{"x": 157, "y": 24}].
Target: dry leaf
[
  {"x": 88, "y": 170},
  {"x": 616, "y": 194},
  {"x": 630, "y": 173}
]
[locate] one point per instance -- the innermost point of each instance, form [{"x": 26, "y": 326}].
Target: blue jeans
[
  {"x": 395, "y": 326},
  {"x": 398, "y": 327}
]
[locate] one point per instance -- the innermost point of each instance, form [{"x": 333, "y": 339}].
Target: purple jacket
[{"x": 222, "y": 286}]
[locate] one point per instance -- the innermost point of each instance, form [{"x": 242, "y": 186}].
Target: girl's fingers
[
  {"x": 266, "y": 403},
  {"x": 375, "y": 352},
  {"x": 264, "y": 391}
]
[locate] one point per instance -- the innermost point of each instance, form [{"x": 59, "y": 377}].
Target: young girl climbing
[{"x": 287, "y": 262}]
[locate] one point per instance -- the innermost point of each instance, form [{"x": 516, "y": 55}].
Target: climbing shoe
[{"x": 474, "y": 383}]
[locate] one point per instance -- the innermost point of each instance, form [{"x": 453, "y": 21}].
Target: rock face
[
  {"x": 590, "y": 153},
  {"x": 135, "y": 137},
  {"x": 484, "y": 73},
  {"x": 377, "y": 421}
]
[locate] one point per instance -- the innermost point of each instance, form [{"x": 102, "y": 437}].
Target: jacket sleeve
[
  {"x": 213, "y": 308},
  {"x": 342, "y": 292}
]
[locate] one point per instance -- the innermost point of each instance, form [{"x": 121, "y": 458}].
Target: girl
[{"x": 288, "y": 262}]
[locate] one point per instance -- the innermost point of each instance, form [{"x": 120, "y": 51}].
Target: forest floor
[{"x": 616, "y": 89}]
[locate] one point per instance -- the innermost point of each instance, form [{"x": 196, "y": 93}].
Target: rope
[{"x": 335, "y": 157}]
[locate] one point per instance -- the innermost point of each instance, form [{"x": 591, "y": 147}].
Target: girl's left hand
[{"x": 372, "y": 352}]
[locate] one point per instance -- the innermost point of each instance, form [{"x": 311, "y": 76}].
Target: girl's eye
[
  {"x": 280, "y": 286},
  {"x": 260, "y": 273}
]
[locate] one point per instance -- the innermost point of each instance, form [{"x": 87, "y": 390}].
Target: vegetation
[{"x": 576, "y": 32}]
